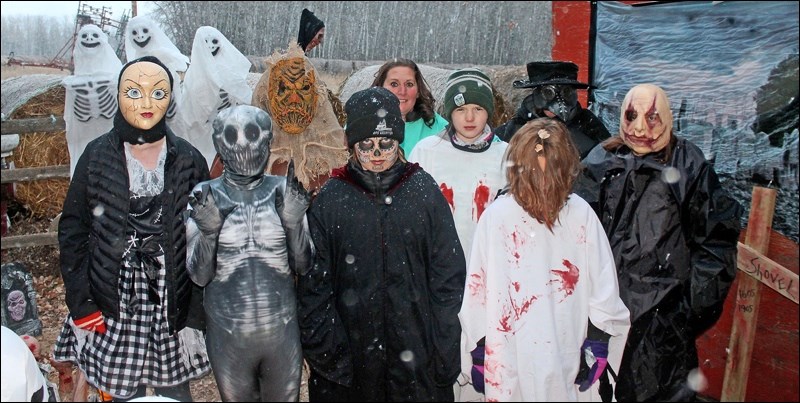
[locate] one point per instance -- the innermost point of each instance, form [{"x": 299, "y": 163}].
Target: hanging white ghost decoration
[
  {"x": 215, "y": 80},
  {"x": 91, "y": 92},
  {"x": 143, "y": 37}
]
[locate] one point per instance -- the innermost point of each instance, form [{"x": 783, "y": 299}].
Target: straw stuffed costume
[{"x": 305, "y": 127}]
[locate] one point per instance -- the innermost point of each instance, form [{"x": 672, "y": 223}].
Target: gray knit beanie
[{"x": 468, "y": 86}]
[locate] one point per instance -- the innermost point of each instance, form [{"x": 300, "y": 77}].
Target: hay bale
[{"x": 35, "y": 96}]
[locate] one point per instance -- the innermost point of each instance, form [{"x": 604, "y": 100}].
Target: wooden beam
[
  {"x": 768, "y": 272},
  {"x": 21, "y": 241},
  {"x": 748, "y": 297},
  {"x": 34, "y": 174},
  {"x": 33, "y": 125}
]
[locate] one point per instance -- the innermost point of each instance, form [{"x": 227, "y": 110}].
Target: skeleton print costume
[
  {"x": 91, "y": 92},
  {"x": 247, "y": 239}
]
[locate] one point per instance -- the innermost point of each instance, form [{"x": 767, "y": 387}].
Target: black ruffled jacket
[
  {"x": 379, "y": 309},
  {"x": 673, "y": 231},
  {"x": 91, "y": 232}
]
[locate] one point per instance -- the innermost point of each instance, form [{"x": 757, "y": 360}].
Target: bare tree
[
  {"x": 35, "y": 35},
  {"x": 464, "y": 32}
]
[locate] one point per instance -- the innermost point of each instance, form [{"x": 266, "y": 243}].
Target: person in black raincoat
[
  {"x": 379, "y": 308},
  {"x": 555, "y": 96},
  {"x": 673, "y": 231}
]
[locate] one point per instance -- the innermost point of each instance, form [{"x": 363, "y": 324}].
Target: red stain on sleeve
[
  {"x": 480, "y": 200},
  {"x": 448, "y": 195}
]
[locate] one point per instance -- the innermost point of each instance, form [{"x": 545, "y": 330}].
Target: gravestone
[{"x": 19, "y": 310}]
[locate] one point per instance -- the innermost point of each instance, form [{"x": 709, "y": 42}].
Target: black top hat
[{"x": 543, "y": 73}]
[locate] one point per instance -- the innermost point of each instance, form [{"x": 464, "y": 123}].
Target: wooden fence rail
[
  {"x": 23, "y": 126},
  {"x": 51, "y": 124}
]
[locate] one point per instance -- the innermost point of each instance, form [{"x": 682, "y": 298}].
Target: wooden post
[{"x": 748, "y": 295}]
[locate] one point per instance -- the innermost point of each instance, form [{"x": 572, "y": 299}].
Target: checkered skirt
[{"x": 137, "y": 348}]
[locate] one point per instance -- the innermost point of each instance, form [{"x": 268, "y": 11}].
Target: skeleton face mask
[
  {"x": 292, "y": 95},
  {"x": 559, "y": 101},
  {"x": 646, "y": 121},
  {"x": 16, "y": 305},
  {"x": 242, "y": 136}
]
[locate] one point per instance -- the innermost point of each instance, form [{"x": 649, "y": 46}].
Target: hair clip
[
  {"x": 539, "y": 147},
  {"x": 543, "y": 134}
]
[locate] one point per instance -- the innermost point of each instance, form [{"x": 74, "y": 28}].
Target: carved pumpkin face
[
  {"x": 646, "y": 121},
  {"x": 292, "y": 95}
]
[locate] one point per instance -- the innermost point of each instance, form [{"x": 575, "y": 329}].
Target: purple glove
[
  {"x": 596, "y": 351},
  {"x": 478, "y": 354}
]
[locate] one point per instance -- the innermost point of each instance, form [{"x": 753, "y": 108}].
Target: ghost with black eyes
[
  {"x": 215, "y": 80},
  {"x": 91, "y": 92},
  {"x": 143, "y": 37},
  {"x": 247, "y": 240}
]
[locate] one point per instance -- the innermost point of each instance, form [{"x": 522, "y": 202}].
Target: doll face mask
[
  {"x": 377, "y": 154},
  {"x": 646, "y": 121},
  {"x": 144, "y": 94},
  {"x": 292, "y": 95}
]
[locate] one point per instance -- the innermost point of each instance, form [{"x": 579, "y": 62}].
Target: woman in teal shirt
[{"x": 403, "y": 78}]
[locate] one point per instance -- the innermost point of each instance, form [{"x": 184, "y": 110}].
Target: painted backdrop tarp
[{"x": 730, "y": 70}]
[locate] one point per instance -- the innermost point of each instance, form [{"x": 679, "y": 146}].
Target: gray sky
[{"x": 68, "y": 8}]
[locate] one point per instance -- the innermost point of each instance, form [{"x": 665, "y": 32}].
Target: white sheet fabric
[
  {"x": 469, "y": 181},
  {"x": 90, "y": 101},
  {"x": 143, "y": 37},
  {"x": 21, "y": 376},
  {"x": 215, "y": 80},
  {"x": 530, "y": 292}
]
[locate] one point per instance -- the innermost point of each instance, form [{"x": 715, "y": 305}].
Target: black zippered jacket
[{"x": 91, "y": 231}]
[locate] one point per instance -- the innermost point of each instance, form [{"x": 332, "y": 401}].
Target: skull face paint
[
  {"x": 16, "y": 305},
  {"x": 558, "y": 101},
  {"x": 646, "y": 120},
  {"x": 292, "y": 95},
  {"x": 144, "y": 94},
  {"x": 377, "y": 154}
]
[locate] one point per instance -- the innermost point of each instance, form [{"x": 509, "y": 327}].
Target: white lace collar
[{"x": 145, "y": 182}]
